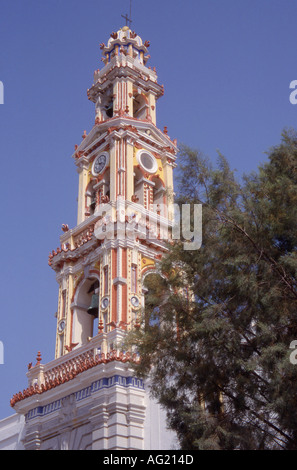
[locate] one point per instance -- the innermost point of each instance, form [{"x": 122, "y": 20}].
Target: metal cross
[{"x": 128, "y": 19}]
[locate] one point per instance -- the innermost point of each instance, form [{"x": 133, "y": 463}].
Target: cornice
[
  {"x": 68, "y": 379},
  {"x": 142, "y": 77},
  {"x": 120, "y": 127}
]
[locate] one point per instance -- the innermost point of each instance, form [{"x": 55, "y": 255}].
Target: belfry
[{"x": 87, "y": 397}]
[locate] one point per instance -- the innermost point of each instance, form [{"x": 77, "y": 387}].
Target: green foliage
[{"x": 218, "y": 356}]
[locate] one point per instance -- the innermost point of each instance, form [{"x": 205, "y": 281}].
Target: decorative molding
[
  {"x": 69, "y": 372},
  {"x": 104, "y": 383}
]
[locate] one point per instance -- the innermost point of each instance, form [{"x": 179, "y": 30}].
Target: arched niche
[
  {"x": 106, "y": 185},
  {"x": 159, "y": 196},
  {"x": 140, "y": 106},
  {"x": 108, "y": 106},
  {"x": 138, "y": 185},
  {"x": 90, "y": 198},
  {"x": 85, "y": 319}
]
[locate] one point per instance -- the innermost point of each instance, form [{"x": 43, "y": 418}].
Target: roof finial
[{"x": 128, "y": 19}]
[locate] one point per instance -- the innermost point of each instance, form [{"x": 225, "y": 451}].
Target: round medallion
[
  {"x": 104, "y": 303},
  {"x": 100, "y": 163},
  {"x": 147, "y": 161},
  {"x": 61, "y": 326},
  {"x": 135, "y": 301}
]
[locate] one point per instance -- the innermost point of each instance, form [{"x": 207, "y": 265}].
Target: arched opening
[
  {"x": 140, "y": 106},
  {"x": 86, "y": 311},
  {"x": 109, "y": 109},
  {"x": 106, "y": 186},
  {"x": 138, "y": 186},
  {"x": 159, "y": 199},
  {"x": 91, "y": 199},
  {"x": 107, "y": 105}
]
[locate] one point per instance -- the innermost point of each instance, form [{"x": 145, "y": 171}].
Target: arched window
[
  {"x": 107, "y": 105},
  {"x": 109, "y": 109},
  {"x": 140, "y": 107},
  {"x": 106, "y": 185},
  {"x": 91, "y": 199},
  {"x": 138, "y": 186},
  {"x": 86, "y": 311},
  {"x": 159, "y": 196}
]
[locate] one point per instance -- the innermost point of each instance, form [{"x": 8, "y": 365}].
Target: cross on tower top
[{"x": 128, "y": 19}]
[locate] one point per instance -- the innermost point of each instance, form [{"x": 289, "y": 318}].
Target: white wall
[
  {"x": 11, "y": 430},
  {"x": 156, "y": 435}
]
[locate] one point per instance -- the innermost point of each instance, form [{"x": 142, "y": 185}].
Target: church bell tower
[
  {"x": 87, "y": 397},
  {"x": 125, "y": 179}
]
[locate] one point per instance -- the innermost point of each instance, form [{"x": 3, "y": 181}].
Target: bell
[
  {"x": 109, "y": 109},
  {"x": 93, "y": 308}
]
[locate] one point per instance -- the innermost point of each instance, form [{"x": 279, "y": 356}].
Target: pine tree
[{"x": 219, "y": 321}]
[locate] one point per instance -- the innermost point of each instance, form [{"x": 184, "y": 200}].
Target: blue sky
[{"x": 226, "y": 66}]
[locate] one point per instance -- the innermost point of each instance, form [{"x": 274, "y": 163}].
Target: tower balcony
[
  {"x": 129, "y": 221},
  {"x": 126, "y": 221}
]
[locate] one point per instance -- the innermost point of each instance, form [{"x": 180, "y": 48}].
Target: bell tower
[
  {"x": 125, "y": 180},
  {"x": 125, "y": 187}
]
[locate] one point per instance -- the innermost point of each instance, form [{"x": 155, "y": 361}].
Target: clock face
[{"x": 100, "y": 163}]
